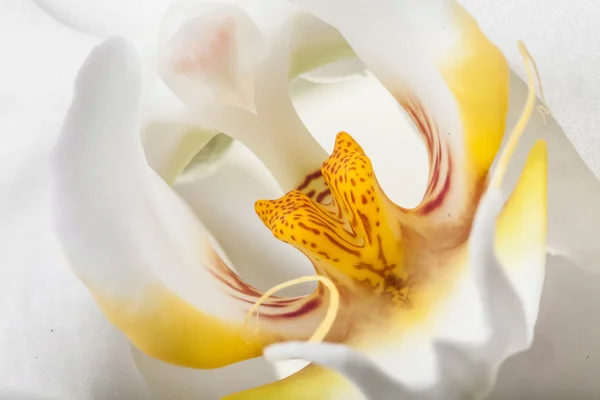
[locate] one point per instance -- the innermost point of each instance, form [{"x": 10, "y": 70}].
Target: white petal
[
  {"x": 571, "y": 186},
  {"x": 101, "y": 129},
  {"x": 135, "y": 19},
  {"x": 564, "y": 357},
  {"x": 33, "y": 99},
  {"x": 559, "y": 53},
  {"x": 503, "y": 309},
  {"x": 54, "y": 342},
  {"x": 371, "y": 380},
  {"x": 171, "y": 382},
  {"x": 176, "y": 150}
]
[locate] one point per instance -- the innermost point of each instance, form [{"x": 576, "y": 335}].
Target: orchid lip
[{"x": 354, "y": 234}]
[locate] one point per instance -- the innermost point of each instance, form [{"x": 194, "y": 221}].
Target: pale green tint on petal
[
  {"x": 178, "y": 151},
  {"x": 171, "y": 147},
  {"x": 208, "y": 158},
  {"x": 316, "y": 44}
]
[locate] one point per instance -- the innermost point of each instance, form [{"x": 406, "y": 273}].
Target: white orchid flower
[
  {"x": 419, "y": 298},
  {"x": 397, "y": 278}
]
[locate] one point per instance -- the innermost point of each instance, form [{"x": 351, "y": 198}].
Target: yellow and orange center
[{"x": 355, "y": 239}]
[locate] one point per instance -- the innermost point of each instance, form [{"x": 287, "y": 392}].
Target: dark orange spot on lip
[{"x": 308, "y": 228}]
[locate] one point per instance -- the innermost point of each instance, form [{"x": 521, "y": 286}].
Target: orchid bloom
[
  {"x": 433, "y": 297},
  {"x": 412, "y": 302}
]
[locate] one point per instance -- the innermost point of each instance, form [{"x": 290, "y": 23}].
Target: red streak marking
[
  {"x": 322, "y": 195},
  {"x": 309, "y": 178}
]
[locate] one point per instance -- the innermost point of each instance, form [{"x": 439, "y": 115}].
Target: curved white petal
[
  {"x": 571, "y": 186},
  {"x": 151, "y": 265},
  {"x": 101, "y": 129},
  {"x": 172, "y": 382},
  {"x": 370, "y": 379},
  {"x": 503, "y": 308},
  {"x": 227, "y": 210},
  {"x": 54, "y": 342},
  {"x": 135, "y": 19},
  {"x": 559, "y": 53},
  {"x": 176, "y": 150},
  {"x": 563, "y": 359}
]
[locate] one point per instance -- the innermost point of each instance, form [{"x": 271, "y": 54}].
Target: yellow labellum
[{"x": 354, "y": 240}]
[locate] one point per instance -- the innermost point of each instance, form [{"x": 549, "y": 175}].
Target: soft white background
[{"x": 55, "y": 344}]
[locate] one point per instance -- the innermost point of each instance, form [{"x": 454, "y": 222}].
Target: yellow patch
[
  {"x": 522, "y": 226},
  {"x": 478, "y": 76},
  {"x": 166, "y": 327}
]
